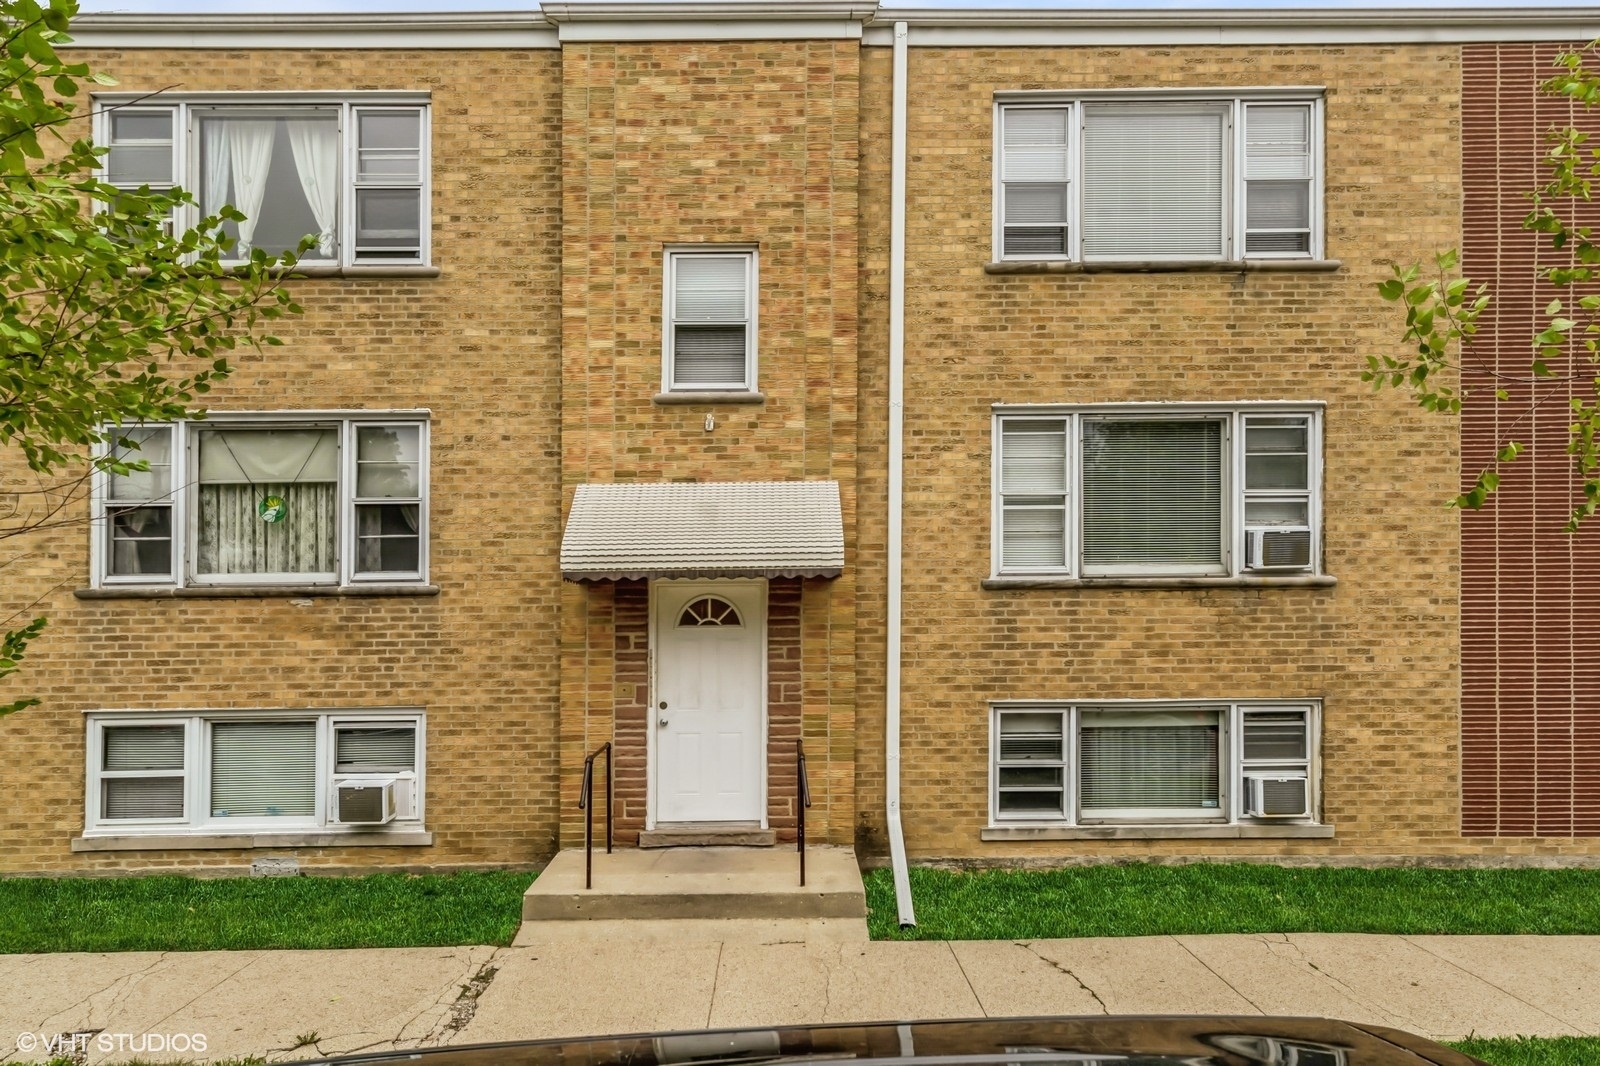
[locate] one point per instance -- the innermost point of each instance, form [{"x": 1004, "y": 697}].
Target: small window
[
  {"x": 710, "y": 321},
  {"x": 351, "y": 176},
  {"x": 1156, "y": 762},
  {"x": 224, "y": 772},
  {"x": 256, "y": 502},
  {"x": 375, "y": 749},
  {"x": 709, "y": 611},
  {"x": 1110, "y": 177},
  {"x": 1156, "y": 490},
  {"x": 263, "y": 769},
  {"x": 142, "y": 773}
]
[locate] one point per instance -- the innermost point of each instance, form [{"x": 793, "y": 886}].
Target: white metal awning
[{"x": 704, "y": 529}]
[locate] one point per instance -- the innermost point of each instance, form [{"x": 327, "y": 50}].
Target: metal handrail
[
  {"x": 585, "y": 803},
  {"x": 802, "y": 799}
]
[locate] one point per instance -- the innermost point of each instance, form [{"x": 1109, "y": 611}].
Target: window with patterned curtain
[{"x": 268, "y": 502}]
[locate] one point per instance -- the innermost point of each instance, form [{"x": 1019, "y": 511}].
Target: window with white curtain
[
  {"x": 260, "y": 500},
  {"x": 350, "y": 174},
  {"x": 243, "y": 771},
  {"x": 1156, "y": 490},
  {"x": 1119, "y": 176},
  {"x": 1153, "y": 762},
  {"x": 709, "y": 333}
]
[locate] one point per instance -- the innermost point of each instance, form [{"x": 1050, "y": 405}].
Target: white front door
[{"x": 710, "y": 707}]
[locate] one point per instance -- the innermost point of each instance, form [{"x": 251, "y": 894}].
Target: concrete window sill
[
  {"x": 251, "y": 592},
  {"x": 1250, "y": 581},
  {"x": 1157, "y": 832},
  {"x": 404, "y": 838},
  {"x": 1165, "y": 266},
  {"x": 363, "y": 270},
  {"x": 669, "y": 399}
]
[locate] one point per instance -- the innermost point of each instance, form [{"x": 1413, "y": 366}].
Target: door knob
[{"x": 663, "y": 719}]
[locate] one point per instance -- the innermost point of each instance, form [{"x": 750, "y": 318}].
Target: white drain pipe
[{"x": 897, "y": 418}]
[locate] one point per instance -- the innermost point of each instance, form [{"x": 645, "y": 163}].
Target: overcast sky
[{"x": 281, "y": 6}]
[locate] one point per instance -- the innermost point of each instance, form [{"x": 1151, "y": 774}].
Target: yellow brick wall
[
  {"x": 750, "y": 143},
  {"x": 479, "y": 346},
  {"x": 558, "y": 179},
  {"x": 1380, "y": 649}
]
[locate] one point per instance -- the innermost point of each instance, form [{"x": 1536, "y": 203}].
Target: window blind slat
[
  {"x": 263, "y": 769},
  {"x": 1153, "y": 181},
  {"x": 1152, "y": 493}
]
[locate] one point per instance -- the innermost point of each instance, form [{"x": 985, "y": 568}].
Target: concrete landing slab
[
  {"x": 707, "y": 837},
  {"x": 699, "y": 883}
]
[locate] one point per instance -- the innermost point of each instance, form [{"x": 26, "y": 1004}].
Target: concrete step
[
  {"x": 654, "y": 883},
  {"x": 709, "y": 835}
]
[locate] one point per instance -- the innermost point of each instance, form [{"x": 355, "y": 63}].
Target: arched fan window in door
[{"x": 709, "y": 611}]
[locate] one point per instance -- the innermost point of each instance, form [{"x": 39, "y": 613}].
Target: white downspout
[{"x": 897, "y": 418}]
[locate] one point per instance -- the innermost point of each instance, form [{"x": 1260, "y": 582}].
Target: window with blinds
[
  {"x": 1036, "y": 180},
  {"x": 263, "y": 769},
  {"x": 377, "y": 749},
  {"x": 1030, "y": 764},
  {"x": 1278, "y": 177},
  {"x": 1153, "y": 181},
  {"x": 710, "y": 320},
  {"x": 1156, "y": 762},
  {"x": 142, "y": 773},
  {"x": 224, "y": 772},
  {"x": 1116, "y": 177},
  {"x": 1134, "y": 762},
  {"x": 1155, "y": 490},
  {"x": 1033, "y": 494},
  {"x": 1152, "y": 495}
]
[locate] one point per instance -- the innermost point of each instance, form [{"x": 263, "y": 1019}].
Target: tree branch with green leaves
[
  {"x": 1442, "y": 308},
  {"x": 108, "y": 318}
]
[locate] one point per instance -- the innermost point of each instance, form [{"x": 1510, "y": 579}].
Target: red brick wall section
[
  {"x": 784, "y": 702},
  {"x": 1530, "y": 629},
  {"x": 632, "y": 708}
]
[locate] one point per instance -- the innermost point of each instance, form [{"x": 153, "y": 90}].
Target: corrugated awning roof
[{"x": 704, "y": 529}]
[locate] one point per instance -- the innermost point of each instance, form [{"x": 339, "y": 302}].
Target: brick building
[{"x": 973, "y": 395}]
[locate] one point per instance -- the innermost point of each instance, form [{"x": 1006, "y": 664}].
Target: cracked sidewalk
[{"x": 577, "y": 978}]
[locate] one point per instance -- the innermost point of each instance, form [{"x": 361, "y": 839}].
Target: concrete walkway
[{"x": 571, "y": 978}]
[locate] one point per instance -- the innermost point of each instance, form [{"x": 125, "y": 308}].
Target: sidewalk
[{"x": 575, "y": 978}]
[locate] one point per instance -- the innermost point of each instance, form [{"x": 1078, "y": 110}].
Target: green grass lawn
[
  {"x": 1147, "y": 900},
  {"x": 40, "y": 914},
  {"x": 1534, "y": 1051}
]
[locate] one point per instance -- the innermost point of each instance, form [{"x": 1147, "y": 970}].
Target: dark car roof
[{"x": 1190, "y": 1040}]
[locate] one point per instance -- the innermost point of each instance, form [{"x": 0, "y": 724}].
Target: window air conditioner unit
[
  {"x": 365, "y": 802},
  {"x": 1286, "y": 548},
  {"x": 1277, "y": 795}
]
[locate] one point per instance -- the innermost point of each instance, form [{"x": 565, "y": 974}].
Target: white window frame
[
  {"x": 1232, "y": 531},
  {"x": 671, "y": 256},
  {"x": 184, "y": 109},
  {"x": 197, "y": 727},
  {"x": 1233, "y": 206},
  {"x": 185, "y": 515},
  {"x": 1231, "y": 765}
]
